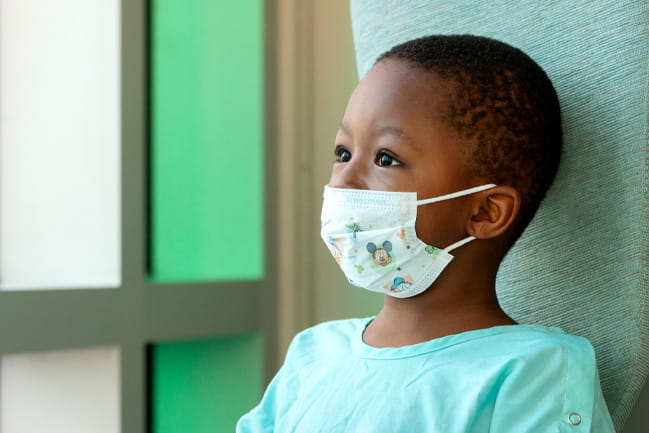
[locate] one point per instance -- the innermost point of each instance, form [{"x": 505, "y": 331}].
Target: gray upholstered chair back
[{"x": 581, "y": 265}]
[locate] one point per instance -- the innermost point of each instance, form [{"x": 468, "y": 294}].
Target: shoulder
[
  {"x": 545, "y": 349},
  {"x": 573, "y": 351},
  {"x": 553, "y": 353},
  {"x": 524, "y": 350},
  {"x": 532, "y": 341}
]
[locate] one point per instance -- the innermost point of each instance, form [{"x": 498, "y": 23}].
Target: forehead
[{"x": 396, "y": 96}]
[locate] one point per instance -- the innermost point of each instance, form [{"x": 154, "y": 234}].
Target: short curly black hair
[{"x": 504, "y": 106}]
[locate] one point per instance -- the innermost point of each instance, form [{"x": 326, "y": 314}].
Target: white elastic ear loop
[
  {"x": 458, "y": 244},
  {"x": 456, "y": 194}
]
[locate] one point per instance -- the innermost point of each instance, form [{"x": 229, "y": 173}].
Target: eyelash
[
  {"x": 340, "y": 151},
  {"x": 393, "y": 159}
]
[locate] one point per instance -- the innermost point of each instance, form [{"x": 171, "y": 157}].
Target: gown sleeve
[
  {"x": 555, "y": 390},
  {"x": 277, "y": 399}
]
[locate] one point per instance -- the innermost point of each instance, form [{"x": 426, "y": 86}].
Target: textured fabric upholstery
[{"x": 581, "y": 264}]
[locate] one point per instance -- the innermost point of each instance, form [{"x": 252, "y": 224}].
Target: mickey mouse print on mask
[{"x": 381, "y": 255}]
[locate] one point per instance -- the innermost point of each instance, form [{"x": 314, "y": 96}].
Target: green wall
[
  {"x": 205, "y": 386},
  {"x": 206, "y": 140}
]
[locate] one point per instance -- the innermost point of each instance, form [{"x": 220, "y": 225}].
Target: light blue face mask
[{"x": 371, "y": 235}]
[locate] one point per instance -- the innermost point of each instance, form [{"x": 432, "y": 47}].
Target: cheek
[{"x": 439, "y": 225}]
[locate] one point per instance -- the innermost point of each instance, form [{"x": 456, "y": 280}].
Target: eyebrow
[
  {"x": 391, "y": 130},
  {"x": 381, "y": 130}
]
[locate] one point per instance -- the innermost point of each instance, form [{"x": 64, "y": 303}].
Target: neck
[{"x": 462, "y": 299}]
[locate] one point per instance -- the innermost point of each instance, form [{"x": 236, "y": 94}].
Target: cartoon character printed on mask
[
  {"x": 336, "y": 247},
  {"x": 353, "y": 227},
  {"x": 399, "y": 284},
  {"x": 408, "y": 237},
  {"x": 381, "y": 257},
  {"x": 432, "y": 251}
]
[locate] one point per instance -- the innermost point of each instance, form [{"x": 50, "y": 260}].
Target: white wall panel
[
  {"x": 71, "y": 391},
  {"x": 59, "y": 143}
]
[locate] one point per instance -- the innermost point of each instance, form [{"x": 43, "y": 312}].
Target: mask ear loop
[
  {"x": 464, "y": 192},
  {"x": 456, "y": 194},
  {"x": 459, "y": 243}
]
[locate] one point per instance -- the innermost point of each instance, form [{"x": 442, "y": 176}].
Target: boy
[{"x": 449, "y": 143}]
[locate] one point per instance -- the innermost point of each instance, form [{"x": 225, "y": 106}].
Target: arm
[
  {"x": 277, "y": 399},
  {"x": 263, "y": 417}
]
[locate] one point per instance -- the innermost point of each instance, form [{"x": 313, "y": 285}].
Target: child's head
[
  {"x": 504, "y": 108},
  {"x": 473, "y": 110}
]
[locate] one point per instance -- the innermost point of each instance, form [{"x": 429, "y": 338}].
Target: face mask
[{"x": 371, "y": 234}]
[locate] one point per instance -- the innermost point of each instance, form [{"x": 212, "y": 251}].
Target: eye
[
  {"x": 342, "y": 154},
  {"x": 384, "y": 159}
]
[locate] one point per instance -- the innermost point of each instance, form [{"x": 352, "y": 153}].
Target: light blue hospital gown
[{"x": 518, "y": 379}]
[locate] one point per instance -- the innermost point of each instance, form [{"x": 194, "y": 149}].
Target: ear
[
  {"x": 371, "y": 247},
  {"x": 387, "y": 246},
  {"x": 493, "y": 212}
]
